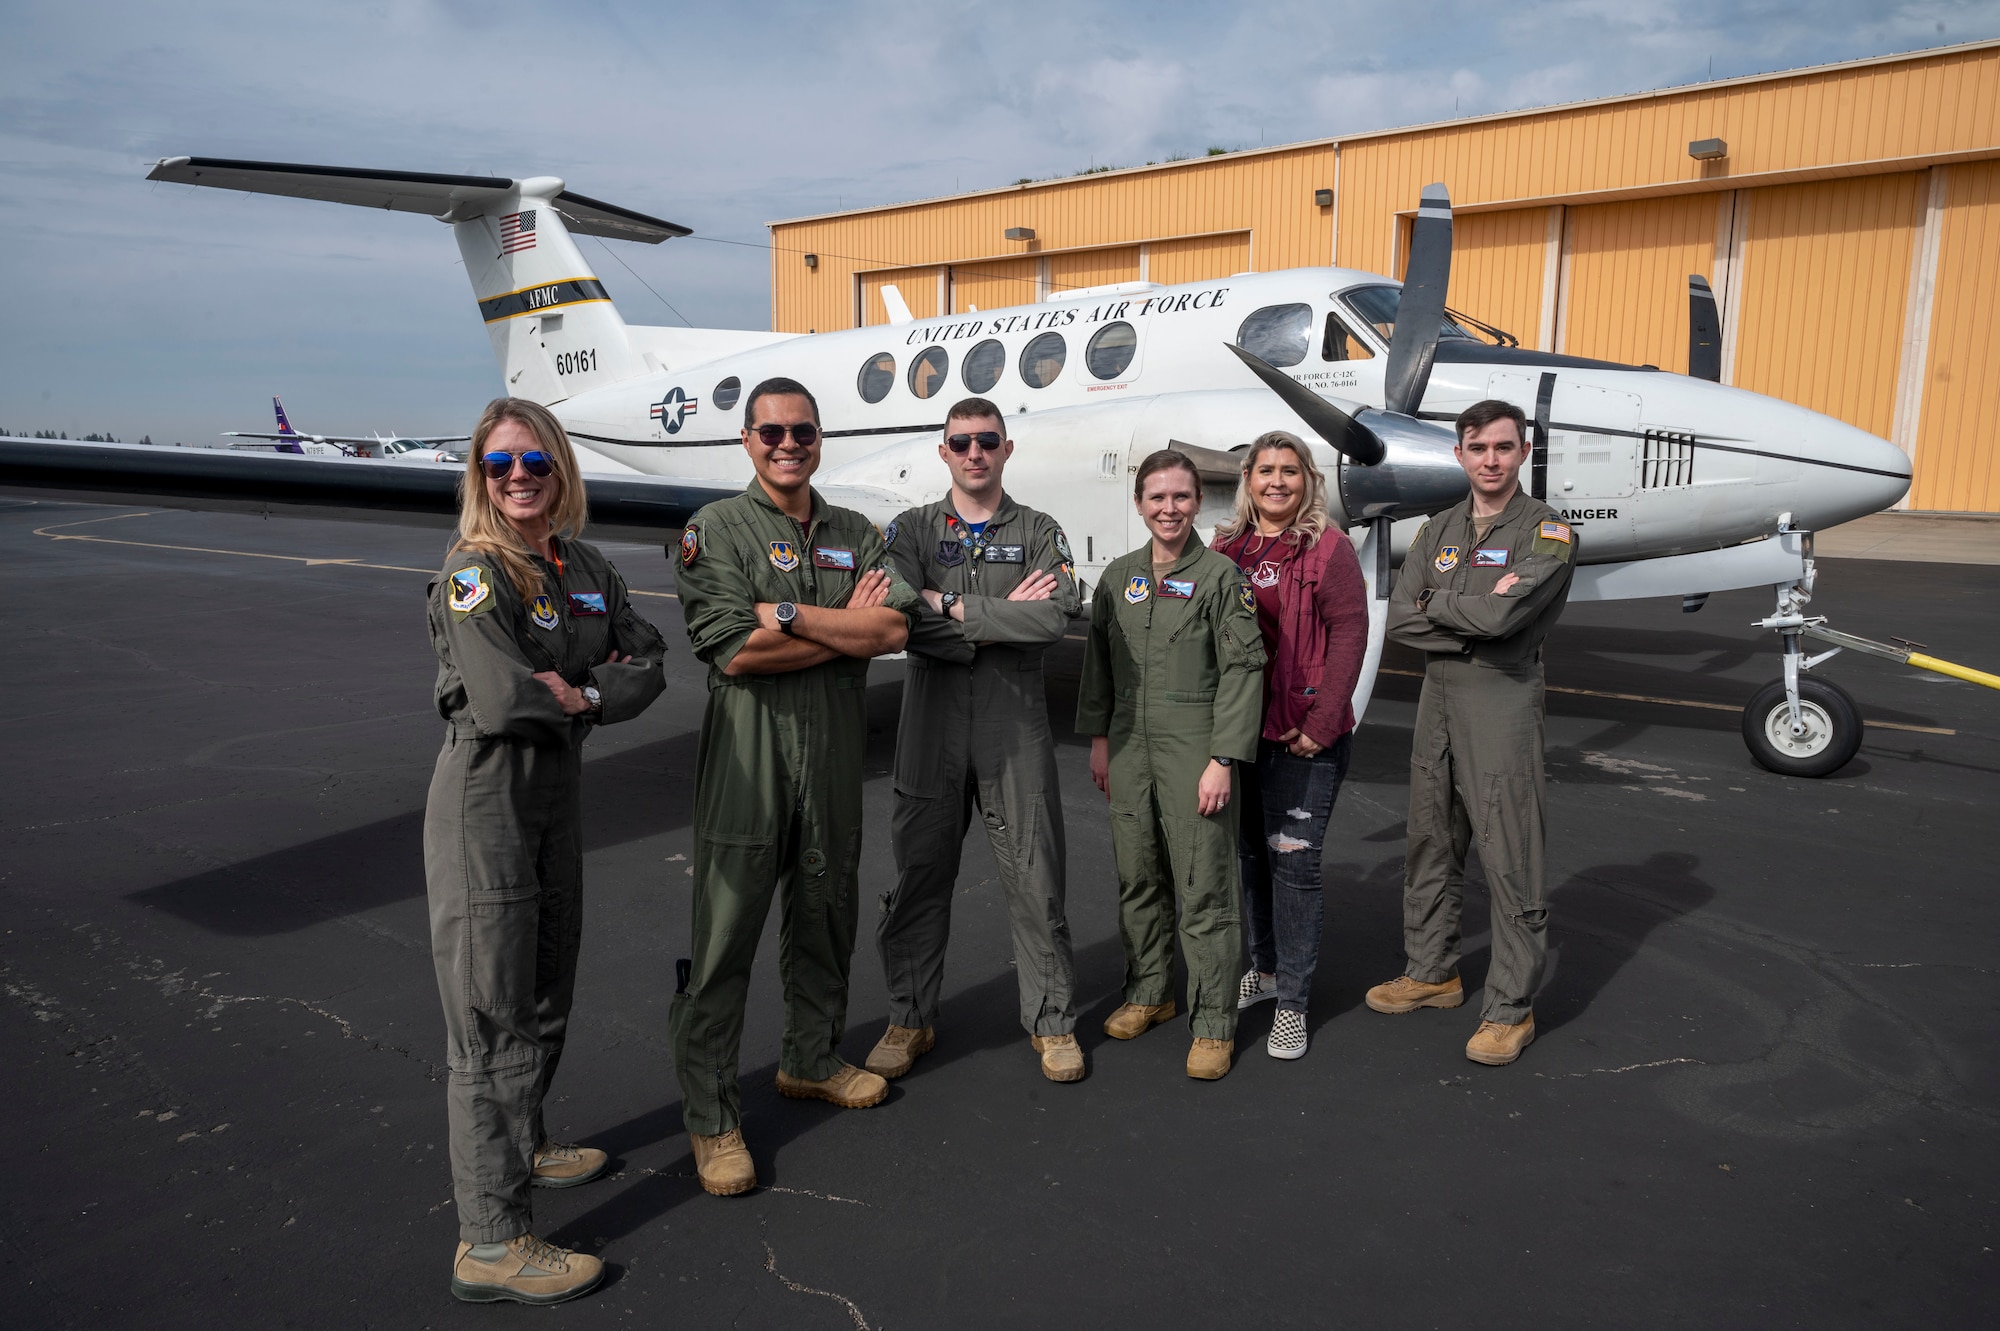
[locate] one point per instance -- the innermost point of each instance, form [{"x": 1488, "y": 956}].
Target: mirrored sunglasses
[{"x": 500, "y": 465}]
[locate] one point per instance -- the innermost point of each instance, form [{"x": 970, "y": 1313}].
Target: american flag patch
[{"x": 517, "y": 232}]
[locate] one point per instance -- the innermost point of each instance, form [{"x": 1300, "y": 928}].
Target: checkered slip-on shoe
[
  {"x": 1255, "y": 988},
  {"x": 1288, "y": 1035}
]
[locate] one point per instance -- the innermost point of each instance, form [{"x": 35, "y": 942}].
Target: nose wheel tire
[{"x": 1828, "y": 737}]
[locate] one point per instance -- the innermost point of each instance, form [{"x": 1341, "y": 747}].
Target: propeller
[
  {"x": 1704, "y": 331},
  {"x": 1420, "y": 313},
  {"x": 1349, "y": 437}
]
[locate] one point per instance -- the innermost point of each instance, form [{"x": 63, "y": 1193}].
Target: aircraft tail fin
[{"x": 284, "y": 426}]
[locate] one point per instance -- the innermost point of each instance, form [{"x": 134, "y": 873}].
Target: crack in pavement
[
  {"x": 771, "y": 1265},
  {"x": 762, "y": 1187},
  {"x": 1629, "y": 1067}
]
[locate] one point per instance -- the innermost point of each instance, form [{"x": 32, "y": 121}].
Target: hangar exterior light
[
  {"x": 812, "y": 261},
  {"x": 1708, "y": 150},
  {"x": 1323, "y": 198},
  {"x": 1020, "y": 233}
]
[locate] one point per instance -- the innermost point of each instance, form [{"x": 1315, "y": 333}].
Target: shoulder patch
[
  {"x": 1555, "y": 531},
  {"x": 1062, "y": 547},
  {"x": 469, "y": 590},
  {"x": 1246, "y": 598},
  {"x": 889, "y": 535},
  {"x": 690, "y": 546}
]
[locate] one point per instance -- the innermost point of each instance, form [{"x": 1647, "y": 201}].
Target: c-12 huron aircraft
[{"x": 1676, "y": 485}]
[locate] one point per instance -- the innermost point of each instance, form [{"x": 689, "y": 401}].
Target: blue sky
[{"x": 141, "y": 308}]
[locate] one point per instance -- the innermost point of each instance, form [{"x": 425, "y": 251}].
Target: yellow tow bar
[{"x": 1902, "y": 654}]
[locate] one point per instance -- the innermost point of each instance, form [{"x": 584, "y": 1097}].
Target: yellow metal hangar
[{"x": 1847, "y": 216}]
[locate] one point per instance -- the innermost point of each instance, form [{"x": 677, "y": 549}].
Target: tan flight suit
[
  {"x": 1174, "y": 675},
  {"x": 777, "y": 806},
  {"x": 1476, "y": 757},
  {"x": 975, "y": 732},
  {"x": 503, "y": 846}
]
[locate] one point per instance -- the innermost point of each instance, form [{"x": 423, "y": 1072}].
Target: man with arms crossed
[
  {"x": 1482, "y": 585},
  {"x": 786, "y": 598},
  {"x": 1000, "y": 587}
]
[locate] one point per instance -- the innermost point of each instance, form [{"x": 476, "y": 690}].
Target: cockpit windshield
[{"x": 1377, "y": 306}]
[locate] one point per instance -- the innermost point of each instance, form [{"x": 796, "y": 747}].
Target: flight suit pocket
[
  {"x": 1508, "y": 805},
  {"x": 1430, "y": 795},
  {"x": 502, "y": 931}
]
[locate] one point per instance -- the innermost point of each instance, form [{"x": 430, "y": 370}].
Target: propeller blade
[
  {"x": 1704, "y": 331},
  {"x": 1349, "y": 437},
  {"x": 1420, "y": 315}
]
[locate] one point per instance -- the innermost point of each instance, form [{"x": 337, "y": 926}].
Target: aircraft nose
[{"x": 1859, "y": 474}]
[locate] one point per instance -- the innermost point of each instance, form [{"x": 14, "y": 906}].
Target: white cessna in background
[{"x": 1676, "y": 485}]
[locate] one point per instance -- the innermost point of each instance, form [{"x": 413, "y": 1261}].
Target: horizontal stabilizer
[{"x": 449, "y": 198}]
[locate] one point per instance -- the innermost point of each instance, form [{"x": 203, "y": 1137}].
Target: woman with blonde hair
[
  {"x": 536, "y": 643},
  {"x": 1312, "y": 612}
]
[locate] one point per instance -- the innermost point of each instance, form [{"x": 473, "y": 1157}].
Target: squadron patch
[
  {"x": 1137, "y": 589},
  {"x": 1062, "y": 547},
  {"x": 889, "y": 536},
  {"x": 1447, "y": 559},
  {"x": 543, "y": 611},
  {"x": 469, "y": 590},
  {"x": 690, "y": 546},
  {"x": 827, "y": 557},
  {"x": 1181, "y": 589},
  {"x": 784, "y": 556},
  {"x": 1246, "y": 597},
  {"x": 950, "y": 554},
  {"x": 587, "y": 603},
  {"x": 1490, "y": 557}
]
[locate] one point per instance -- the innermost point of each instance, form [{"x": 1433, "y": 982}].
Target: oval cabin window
[
  {"x": 1111, "y": 350},
  {"x": 1042, "y": 360},
  {"x": 927, "y": 371},
  {"x": 727, "y": 393},
  {"x": 982, "y": 366},
  {"x": 877, "y": 377},
  {"x": 1279, "y": 334}
]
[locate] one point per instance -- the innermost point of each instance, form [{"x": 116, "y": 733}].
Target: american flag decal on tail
[{"x": 517, "y": 232}]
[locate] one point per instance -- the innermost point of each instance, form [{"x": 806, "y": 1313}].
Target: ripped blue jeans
[{"x": 1286, "y": 801}]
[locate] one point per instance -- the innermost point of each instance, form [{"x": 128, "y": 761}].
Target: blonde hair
[
  {"x": 1311, "y": 520},
  {"x": 482, "y": 528}
]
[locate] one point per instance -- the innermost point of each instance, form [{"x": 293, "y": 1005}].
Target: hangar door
[
  {"x": 1496, "y": 269},
  {"x": 995, "y": 284},
  {"x": 917, "y": 286},
  {"x": 1625, "y": 277},
  {"x": 1198, "y": 258},
  {"x": 1957, "y": 462}
]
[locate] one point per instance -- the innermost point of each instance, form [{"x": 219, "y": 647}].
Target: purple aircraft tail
[{"x": 285, "y": 428}]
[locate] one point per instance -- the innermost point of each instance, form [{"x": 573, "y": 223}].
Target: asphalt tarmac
[{"x": 1764, "y": 1092}]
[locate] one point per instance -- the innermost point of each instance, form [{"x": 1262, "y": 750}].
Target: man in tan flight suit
[
  {"x": 1000, "y": 587},
  {"x": 1482, "y": 585}
]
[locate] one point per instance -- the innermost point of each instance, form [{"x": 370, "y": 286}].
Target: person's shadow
[{"x": 1599, "y": 919}]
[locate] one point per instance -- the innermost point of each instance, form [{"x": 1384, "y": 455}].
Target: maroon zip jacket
[{"x": 1311, "y": 669}]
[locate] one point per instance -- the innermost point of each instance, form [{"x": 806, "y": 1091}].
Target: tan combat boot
[
  {"x": 1497, "y": 1045},
  {"x": 526, "y": 1270},
  {"x": 1208, "y": 1060},
  {"x": 560, "y": 1166},
  {"x": 723, "y": 1163},
  {"x": 1062, "y": 1057},
  {"x": 1133, "y": 1020},
  {"x": 898, "y": 1050},
  {"x": 1403, "y": 994},
  {"x": 850, "y": 1088}
]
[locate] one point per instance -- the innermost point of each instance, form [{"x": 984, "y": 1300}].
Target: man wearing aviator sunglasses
[
  {"x": 786, "y": 598},
  {"x": 1000, "y": 587}
]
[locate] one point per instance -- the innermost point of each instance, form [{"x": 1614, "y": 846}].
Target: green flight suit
[
  {"x": 777, "y": 793},
  {"x": 1174, "y": 675},
  {"x": 1476, "y": 755},
  {"x": 503, "y": 846},
  {"x": 975, "y": 732}
]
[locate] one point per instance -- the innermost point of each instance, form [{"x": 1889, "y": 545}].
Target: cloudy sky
[{"x": 178, "y": 312}]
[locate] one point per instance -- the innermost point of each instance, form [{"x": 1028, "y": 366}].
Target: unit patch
[
  {"x": 1447, "y": 559},
  {"x": 1062, "y": 547},
  {"x": 1181, "y": 589},
  {"x": 587, "y": 603},
  {"x": 950, "y": 554},
  {"x": 543, "y": 611},
  {"x": 469, "y": 589},
  {"x": 827, "y": 557},
  {"x": 1266, "y": 574},
  {"x": 1006, "y": 554},
  {"x": 1555, "y": 531},
  {"x": 690, "y": 546},
  {"x": 1246, "y": 597},
  {"x": 784, "y": 556},
  {"x": 1137, "y": 589},
  {"x": 889, "y": 535},
  {"x": 1490, "y": 557}
]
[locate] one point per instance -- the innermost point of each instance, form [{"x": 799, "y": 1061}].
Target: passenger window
[
  {"x": 1279, "y": 334},
  {"x": 927, "y": 371},
  {"x": 727, "y": 393},
  {"x": 878, "y": 376},
  {"x": 1341, "y": 344},
  {"x": 1111, "y": 350},
  {"x": 982, "y": 366},
  {"x": 1042, "y": 360}
]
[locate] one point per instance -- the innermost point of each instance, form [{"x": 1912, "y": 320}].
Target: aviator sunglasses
[
  {"x": 989, "y": 440},
  {"x": 499, "y": 465},
  {"x": 805, "y": 434}
]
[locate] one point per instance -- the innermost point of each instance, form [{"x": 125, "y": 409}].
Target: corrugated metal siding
[
  {"x": 1496, "y": 269},
  {"x": 1626, "y": 278},
  {"x": 917, "y": 287},
  {"x": 1826, "y": 269},
  {"x": 994, "y": 284},
  {"x": 1957, "y": 470},
  {"x": 1198, "y": 259},
  {"x": 1093, "y": 268}
]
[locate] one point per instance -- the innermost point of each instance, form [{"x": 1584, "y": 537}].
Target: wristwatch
[
  {"x": 1223, "y": 762},
  {"x": 1424, "y": 598},
  {"x": 593, "y": 697},
  {"x": 786, "y": 613},
  {"x": 947, "y": 601}
]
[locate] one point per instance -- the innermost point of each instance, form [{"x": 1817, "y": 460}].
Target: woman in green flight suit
[
  {"x": 1172, "y": 696},
  {"x": 536, "y": 643}
]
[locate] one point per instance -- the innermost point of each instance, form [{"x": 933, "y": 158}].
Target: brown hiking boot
[
  {"x": 526, "y": 1270},
  {"x": 723, "y": 1163},
  {"x": 1403, "y": 994},
  {"x": 898, "y": 1049},
  {"x": 1208, "y": 1060},
  {"x": 1062, "y": 1057},
  {"x": 850, "y": 1088},
  {"x": 1497, "y": 1045},
  {"x": 560, "y": 1166},
  {"x": 1134, "y": 1019}
]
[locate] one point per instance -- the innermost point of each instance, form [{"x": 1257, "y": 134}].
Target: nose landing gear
[{"x": 1797, "y": 725}]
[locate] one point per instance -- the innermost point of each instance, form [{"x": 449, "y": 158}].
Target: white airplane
[
  {"x": 1676, "y": 485},
  {"x": 387, "y": 448}
]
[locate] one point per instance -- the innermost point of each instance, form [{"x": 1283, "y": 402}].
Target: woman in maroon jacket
[{"x": 1313, "y": 611}]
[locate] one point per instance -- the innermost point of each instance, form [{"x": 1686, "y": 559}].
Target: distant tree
[{"x": 146, "y": 439}]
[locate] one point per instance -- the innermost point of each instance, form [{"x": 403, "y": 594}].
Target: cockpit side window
[
  {"x": 1377, "y": 306},
  {"x": 1279, "y": 334},
  {"x": 1342, "y": 343}
]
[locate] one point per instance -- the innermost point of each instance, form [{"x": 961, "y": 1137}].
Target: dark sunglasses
[
  {"x": 501, "y": 465},
  {"x": 988, "y": 440},
  {"x": 805, "y": 434}
]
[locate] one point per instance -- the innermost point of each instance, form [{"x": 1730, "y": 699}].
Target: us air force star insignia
[
  {"x": 469, "y": 589},
  {"x": 543, "y": 612},
  {"x": 1136, "y": 590},
  {"x": 690, "y": 546},
  {"x": 1447, "y": 559},
  {"x": 1247, "y": 597},
  {"x": 784, "y": 557}
]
